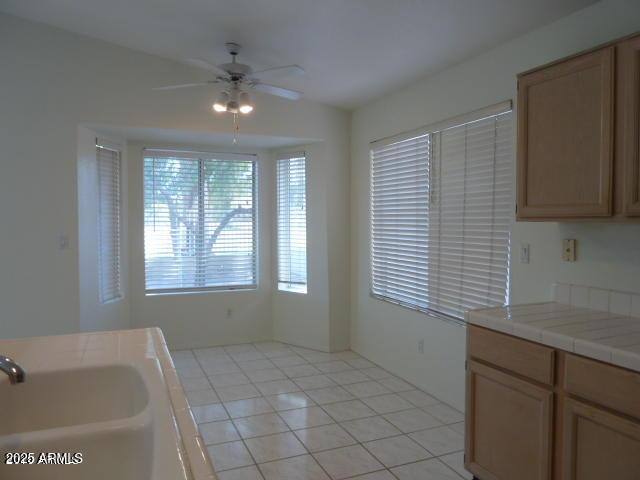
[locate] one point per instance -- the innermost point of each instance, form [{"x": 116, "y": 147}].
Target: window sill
[
  {"x": 425, "y": 311},
  {"x": 202, "y": 291},
  {"x": 288, "y": 288}
]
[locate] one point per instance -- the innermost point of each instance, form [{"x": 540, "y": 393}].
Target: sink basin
[
  {"x": 111, "y": 450},
  {"x": 116, "y": 407},
  {"x": 71, "y": 397}
]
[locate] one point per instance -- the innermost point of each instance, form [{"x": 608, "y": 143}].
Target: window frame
[
  {"x": 431, "y": 130},
  {"x": 200, "y": 157},
  {"x": 288, "y": 287}
]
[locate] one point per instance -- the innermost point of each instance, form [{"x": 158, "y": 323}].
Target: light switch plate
[{"x": 569, "y": 249}]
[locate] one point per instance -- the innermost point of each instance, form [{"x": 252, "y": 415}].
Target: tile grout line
[
  {"x": 257, "y": 465},
  {"x": 313, "y": 456},
  {"x": 336, "y": 422},
  {"x": 278, "y": 415},
  {"x": 232, "y": 423}
]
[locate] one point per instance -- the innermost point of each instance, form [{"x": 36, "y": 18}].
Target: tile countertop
[
  {"x": 595, "y": 334},
  {"x": 121, "y": 346}
]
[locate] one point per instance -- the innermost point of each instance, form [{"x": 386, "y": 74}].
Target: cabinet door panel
[
  {"x": 565, "y": 138},
  {"x": 509, "y": 426},
  {"x": 598, "y": 445},
  {"x": 629, "y": 72}
]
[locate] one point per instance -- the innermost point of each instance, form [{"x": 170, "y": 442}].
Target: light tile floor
[{"x": 270, "y": 411}]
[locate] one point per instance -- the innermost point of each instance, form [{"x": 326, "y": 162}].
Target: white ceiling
[{"x": 352, "y": 50}]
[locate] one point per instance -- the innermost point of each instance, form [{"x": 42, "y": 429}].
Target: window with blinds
[
  {"x": 400, "y": 221},
  {"x": 108, "y": 166},
  {"x": 292, "y": 223},
  {"x": 441, "y": 209},
  {"x": 199, "y": 221}
]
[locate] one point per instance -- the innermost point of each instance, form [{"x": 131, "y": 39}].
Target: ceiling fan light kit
[
  {"x": 234, "y": 101},
  {"x": 244, "y": 102},
  {"x": 220, "y": 104}
]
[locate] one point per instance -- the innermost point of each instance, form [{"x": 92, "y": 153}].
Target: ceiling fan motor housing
[
  {"x": 233, "y": 48},
  {"x": 236, "y": 69}
]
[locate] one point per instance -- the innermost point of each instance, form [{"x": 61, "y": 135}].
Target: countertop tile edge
[{"x": 498, "y": 319}]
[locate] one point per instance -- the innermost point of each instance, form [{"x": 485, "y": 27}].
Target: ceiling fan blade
[
  {"x": 286, "y": 70},
  {"x": 277, "y": 91},
  {"x": 185, "y": 85},
  {"x": 197, "y": 62}
]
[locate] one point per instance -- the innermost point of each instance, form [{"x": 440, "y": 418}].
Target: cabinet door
[
  {"x": 629, "y": 102},
  {"x": 508, "y": 426},
  {"x": 565, "y": 139},
  {"x": 598, "y": 445}
]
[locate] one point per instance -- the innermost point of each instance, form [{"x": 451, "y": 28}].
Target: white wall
[
  {"x": 53, "y": 82},
  {"x": 609, "y": 255},
  {"x": 96, "y": 316},
  {"x": 304, "y": 319},
  {"x": 320, "y": 318},
  {"x": 337, "y": 188}
]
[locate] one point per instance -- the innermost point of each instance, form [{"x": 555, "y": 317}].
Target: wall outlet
[
  {"x": 569, "y": 249},
  {"x": 421, "y": 346},
  {"x": 63, "y": 241},
  {"x": 524, "y": 253},
  {"x": 229, "y": 313}
]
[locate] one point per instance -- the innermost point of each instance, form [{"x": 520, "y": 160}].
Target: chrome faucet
[{"x": 12, "y": 369}]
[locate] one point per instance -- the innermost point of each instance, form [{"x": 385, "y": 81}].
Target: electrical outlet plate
[
  {"x": 569, "y": 249},
  {"x": 63, "y": 241},
  {"x": 524, "y": 253}
]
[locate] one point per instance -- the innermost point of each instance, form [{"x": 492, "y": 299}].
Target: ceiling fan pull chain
[{"x": 236, "y": 128}]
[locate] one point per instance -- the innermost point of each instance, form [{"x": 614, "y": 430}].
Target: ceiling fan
[{"x": 239, "y": 77}]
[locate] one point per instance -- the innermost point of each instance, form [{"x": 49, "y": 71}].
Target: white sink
[
  {"x": 117, "y": 415},
  {"x": 112, "y": 451},
  {"x": 71, "y": 397}
]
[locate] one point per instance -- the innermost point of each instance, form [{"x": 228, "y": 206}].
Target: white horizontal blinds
[
  {"x": 400, "y": 220},
  {"x": 199, "y": 220},
  {"x": 470, "y": 216},
  {"x": 108, "y": 163},
  {"x": 292, "y": 223}
]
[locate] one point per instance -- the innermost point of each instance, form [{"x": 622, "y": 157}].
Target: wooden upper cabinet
[
  {"x": 566, "y": 137},
  {"x": 628, "y": 71}
]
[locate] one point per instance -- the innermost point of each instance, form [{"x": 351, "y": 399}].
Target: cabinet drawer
[
  {"x": 519, "y": 356},
  {"x": 609, "y": 386}
]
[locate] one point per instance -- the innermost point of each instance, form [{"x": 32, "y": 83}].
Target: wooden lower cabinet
[
  {"x": 509, "y": 426},
  {"x": 598, "y": 445},
  {"x": 581, "y": 423}
]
